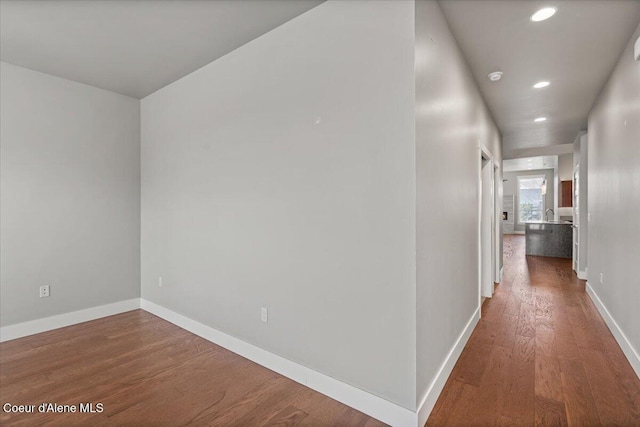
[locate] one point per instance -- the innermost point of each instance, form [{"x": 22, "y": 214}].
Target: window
[{"x": 531, "y": 198}]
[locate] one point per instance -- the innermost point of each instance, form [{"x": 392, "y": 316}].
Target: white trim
[
  {"x": 436, "y": 386},
  {"x": 372, "y": 405},
  {"x": 496, "y": 255},
  {"x": 518, "y": 232},
  {"x": 621, "y": 338},
  {"x": 501, "y": 273},
  {"x": 582, "y": 275},
  {"x": 45, "y": 324},
  {"x": 485, "y": 154}
]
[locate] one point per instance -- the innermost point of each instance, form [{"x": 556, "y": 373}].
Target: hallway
[{"x": 540, "y": 355}]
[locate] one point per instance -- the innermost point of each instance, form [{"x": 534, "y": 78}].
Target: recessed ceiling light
[
  {"x": 544, "y": 13},
  {"x": 540, "y": 119},
  {"x": 495, "y": 76},
  {"x": 540, "y": 85}
]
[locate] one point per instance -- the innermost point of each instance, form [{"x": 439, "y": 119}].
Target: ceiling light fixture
[
  {"x": 544, "y": 13},
  {"x": 495, "y": 76},
  {"x": 540, "y": 119},
  {"x": 540, "y": 85}
]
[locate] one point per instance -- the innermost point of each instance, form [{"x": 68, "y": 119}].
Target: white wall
[
  {"x": 614, "y": 195},
  {"x": 69, "y": 195},
  {"x": 451, "y": 122},
  {"x": 282, "y": 176},
  {"x": 511, "y": 189}
]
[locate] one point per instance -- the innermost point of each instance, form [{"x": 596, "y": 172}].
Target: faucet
[{"x": 546, "y": 214}]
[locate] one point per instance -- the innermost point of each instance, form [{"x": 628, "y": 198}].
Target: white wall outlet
[
  {"x": 264, "y": 313},
  {"x": 601, "y": 278},
  {"x": 159, "y": 281},
  {"x": 44, "y": 291}
]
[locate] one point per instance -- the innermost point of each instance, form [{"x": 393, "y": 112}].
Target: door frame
[
  {"x": 497, "y": 199},
  {"x": 484, "y": 154}
]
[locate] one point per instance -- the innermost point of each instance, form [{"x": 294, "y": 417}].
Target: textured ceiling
[
  {"x": 530, "y": 163},
  {"x": 133, "y": 47},
  {"x": 575, "y": 50},
  {"x": 136, "y": 47}
]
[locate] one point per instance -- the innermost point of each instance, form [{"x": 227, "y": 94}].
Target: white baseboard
[
  {"x": 518, "y": 232},
  {"x": 582, "y": 275},
  {"x": 436, "y": 386},
  {"x": 370, "y": 404},
  {"x": 621, "y": 338},
  {"x": 37, "y": 326},
  {"x": 501, "y": 273},
  {"x": 361, "y": 400}
]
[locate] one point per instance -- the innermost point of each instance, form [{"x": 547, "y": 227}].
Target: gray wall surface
[
  {"x": 614, "y": 194},
  {"x": 565, "y": 167},
  {"x": 282, "y": 176},
  {"x": 565, "y": 173},
  {"x": 451, "y": 122},
  {"x": 511, "y": 189},
  {"x": 69, "y": 196}
]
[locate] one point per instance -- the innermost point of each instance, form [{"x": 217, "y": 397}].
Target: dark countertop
[{"x": 559, "y": 222}]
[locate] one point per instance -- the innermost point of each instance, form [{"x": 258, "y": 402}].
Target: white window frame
[{"x": 518, "y": 194}]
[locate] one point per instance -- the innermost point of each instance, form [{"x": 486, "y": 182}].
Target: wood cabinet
[{"x": 567, "y": 194}]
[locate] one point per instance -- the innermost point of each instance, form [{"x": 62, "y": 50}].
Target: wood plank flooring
[
  {"x": 148, "y": 372},
  {"x": 541, "y": 355}
]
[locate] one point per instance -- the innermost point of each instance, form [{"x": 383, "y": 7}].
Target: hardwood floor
[
  {"x": 541, "y": 355},
  {"x": 148, "y": 372}
]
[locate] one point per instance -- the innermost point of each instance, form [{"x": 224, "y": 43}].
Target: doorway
[
  {"x": 487, "y": 225},
  {"x": 497, "y": 224}
]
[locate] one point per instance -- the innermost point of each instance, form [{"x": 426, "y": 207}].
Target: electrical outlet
[
  {"x": 44, "y": 291},
  {"x": 159, "y": 281},
  {"x": 264, "y": 314},
  {"x": 601, "y": 278}
]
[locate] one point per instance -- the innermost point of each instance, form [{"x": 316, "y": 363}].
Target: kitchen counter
[{"x": 549, "y": 238}]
